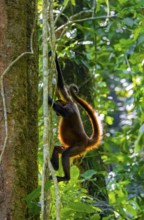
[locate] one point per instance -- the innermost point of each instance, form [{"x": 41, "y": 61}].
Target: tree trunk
[{"x": 18, "y": 168}]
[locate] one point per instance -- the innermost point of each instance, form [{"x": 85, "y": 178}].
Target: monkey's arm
[
  {"x": 58, "y": 108},
  {"x": 60, "y": 82}
]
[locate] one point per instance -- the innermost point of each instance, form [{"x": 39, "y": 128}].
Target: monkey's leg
[
  {"x": 70, "y": 152},
  {"x": 55, "y": 156},
  {"x": 66, "y": 167}
]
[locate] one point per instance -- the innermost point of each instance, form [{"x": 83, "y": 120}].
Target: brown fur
[
  {"x": 75, "y": 142},
  {"x": 71, "y": 130}
]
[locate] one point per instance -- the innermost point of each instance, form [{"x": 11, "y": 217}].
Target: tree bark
[{"x": 18, "y": 168}]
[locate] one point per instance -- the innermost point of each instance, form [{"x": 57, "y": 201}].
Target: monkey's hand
[{"x": 50, "y": 101}]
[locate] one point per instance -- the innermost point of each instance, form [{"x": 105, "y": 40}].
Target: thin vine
[{"x": 48, "y": 74}]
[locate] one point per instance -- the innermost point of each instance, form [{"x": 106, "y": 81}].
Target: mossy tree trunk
[{"x": 18, "y": 168}]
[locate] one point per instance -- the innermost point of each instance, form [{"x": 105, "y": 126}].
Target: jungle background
[{"x": 100, "y": 47}]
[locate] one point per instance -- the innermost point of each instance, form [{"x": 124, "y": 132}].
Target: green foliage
[
  {"x": 76, "y": 203},
  {"x": 111, "y": 50},
  {"x": 33, "y": 202}
]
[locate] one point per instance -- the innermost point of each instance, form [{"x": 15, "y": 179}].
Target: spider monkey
[{"x": 71, "y": 133}]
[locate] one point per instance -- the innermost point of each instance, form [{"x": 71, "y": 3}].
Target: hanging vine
[{"x": 48, "y": 75}]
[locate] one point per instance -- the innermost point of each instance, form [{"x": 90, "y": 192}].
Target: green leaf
[
  {"x": 88, "y": 174},
  {"x": 95, "y": 217},
  {"x": 33, "y": 195},
  {"x": 140, "y": 39},
  {"x": 73, "y": 2},
  {"x": 139, "y": 144},
  {"x": 82, "y": 207},
  {"x": 129, "y": 22},
  {"x": 109, "y": 120},
  {"x": 36, "y": 193}
]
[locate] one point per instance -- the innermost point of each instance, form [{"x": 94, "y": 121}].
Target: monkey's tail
[{"x": 96, "y": 136}]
